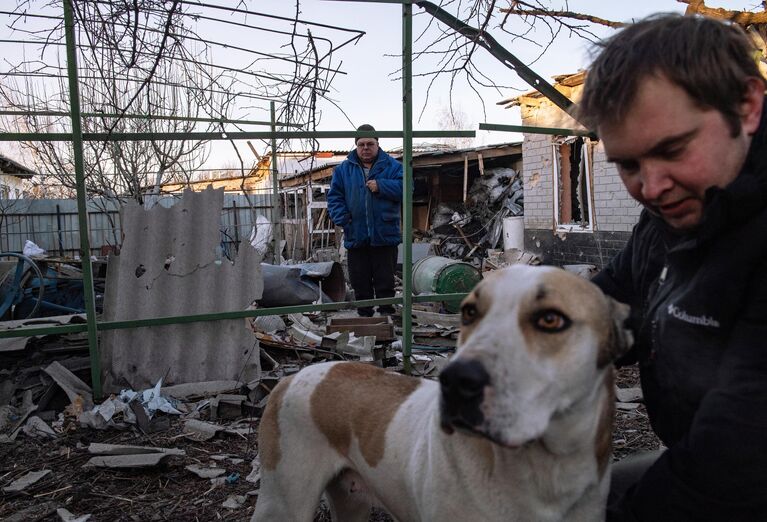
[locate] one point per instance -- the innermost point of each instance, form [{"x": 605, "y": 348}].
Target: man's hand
[{"x": 372, "y": 186}]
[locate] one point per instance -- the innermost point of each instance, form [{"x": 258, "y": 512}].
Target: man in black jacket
[{"x": 678, "y": 104}]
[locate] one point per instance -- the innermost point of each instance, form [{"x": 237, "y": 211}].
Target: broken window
[{"x": 572, "y": 183}]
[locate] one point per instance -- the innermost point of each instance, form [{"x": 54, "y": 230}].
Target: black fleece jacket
[{"x": 699, "y": 312}]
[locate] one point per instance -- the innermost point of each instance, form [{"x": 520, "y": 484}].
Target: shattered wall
[
  {"x": 171, "y": 264},
  {"x": 615, "y": 212}
]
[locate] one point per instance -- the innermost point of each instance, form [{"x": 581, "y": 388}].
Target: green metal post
[
  {"x": 407, "y": 185},
  {"x": 276, "y": 233},
  {"x": 82, "y": 211}
]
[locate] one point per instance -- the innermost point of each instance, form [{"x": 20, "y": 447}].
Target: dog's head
[{"x": 534, "y": 342}]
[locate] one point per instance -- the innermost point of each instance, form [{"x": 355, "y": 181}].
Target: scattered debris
[
  {"x": 234, "y": 501},
  {"x": 205, "y": 473},
  {"x": 467, "y": 230},
  {"x": 27, "y": 480},
  {"x": 629, "y": 394},
  {"x": 66, "y": 516},
  {"x": 381, "y": 328},
  {"x": 37, "y": 428}
]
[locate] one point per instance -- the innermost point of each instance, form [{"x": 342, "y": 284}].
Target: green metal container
[{"x": 441, "y": 275}]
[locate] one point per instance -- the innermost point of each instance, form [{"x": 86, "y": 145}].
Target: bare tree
[
  {"x": 451, "y": 42},
  {"x": 454, "y": 118}
]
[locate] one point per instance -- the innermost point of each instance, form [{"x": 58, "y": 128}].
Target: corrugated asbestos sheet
[{"x": 170, "y": 264}]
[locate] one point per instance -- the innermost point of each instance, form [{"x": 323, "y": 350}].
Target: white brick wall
[{"x": 615, "y": 210}]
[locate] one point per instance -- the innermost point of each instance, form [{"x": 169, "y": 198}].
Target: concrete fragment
[
  {"x": 205, "y": 473},
  {"x": 66, "y": 516},
  {"x": 424, "y": 318},
  {"x": 200, "y": 389},
  {"x": 627, "y": 406},
  {"x": 38, "y": 429},
  {"x": 200, "y": 430},
  {"x": 146, "y": 460},
  {"x": 234, "y": 501},
  {"x": 96, "y": 448},
  {"x": 629, "y": 394},
  {"x": 72, "y": 385},
  {"x": 27, "y": 480}
]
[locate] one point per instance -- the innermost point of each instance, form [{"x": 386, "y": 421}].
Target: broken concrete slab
[
  {"x": 67, "y": 516},
  {"x": 629, "y": 394},
  {"x": 627, "y": 406},
  {"x": 21, "y": 483},
  {"x": 145, "y": 460},
  {"x": 269, "y": 324},
  {"x": 200, "y": 430},
  {"x": 206, "y": 472},
  {"x": 226, "y": 406},
  {"x": 200, "y": 389},
  {"x": 188, "y": 234},
  {"x": 424, "y": 318},
  {"x": 234, "y": 501},
  {"x": 96, "y": 448},
  {"x": 36, "y": 428},
  {"x": 77, "y": 391}
]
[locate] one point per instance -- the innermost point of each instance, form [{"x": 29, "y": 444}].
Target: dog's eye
[
  {"x": 551, "y": 321},
  {"x": 468, "y": 313}
]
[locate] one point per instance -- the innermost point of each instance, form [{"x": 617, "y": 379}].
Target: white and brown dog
[{"x": 518, "y": 428}]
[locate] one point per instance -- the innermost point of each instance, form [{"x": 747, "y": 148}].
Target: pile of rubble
[{"x": 468, "y": 230}]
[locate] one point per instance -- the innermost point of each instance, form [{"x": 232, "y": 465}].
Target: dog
[{"x": 518, "y": 427}]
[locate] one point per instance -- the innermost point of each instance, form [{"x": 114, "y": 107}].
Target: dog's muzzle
[{"x": 463, "y": 385}]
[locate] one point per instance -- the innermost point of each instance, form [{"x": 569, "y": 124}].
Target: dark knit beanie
[{"x": 364, "y": 127}]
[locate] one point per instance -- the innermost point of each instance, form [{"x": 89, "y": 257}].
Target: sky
[
  {"x": 369, "y": 91},
  {"x": 371, "y": 94}
]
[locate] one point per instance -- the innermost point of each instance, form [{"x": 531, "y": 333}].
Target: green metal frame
[{"x": 77, "y": 137}]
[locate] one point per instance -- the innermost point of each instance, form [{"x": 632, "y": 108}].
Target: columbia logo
[{"x": 702, "y": 320}]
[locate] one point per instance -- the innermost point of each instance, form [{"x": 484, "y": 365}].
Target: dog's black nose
[
  {"x": 465, "y": 379},
  {"x": 463, "y": 388}
]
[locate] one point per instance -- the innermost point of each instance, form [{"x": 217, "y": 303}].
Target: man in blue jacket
[
  {"x": 678, "y": 103},
  {"x": 364, "y": 199}
]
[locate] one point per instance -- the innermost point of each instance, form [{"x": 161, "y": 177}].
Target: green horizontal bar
[
  {"x": 220, "y": 316},
  {"x": 429, "y": 298},
  {"x": 528, "y": 129},
  {"x": 202, "y": 136},
  {"x": 147, "y": 117}
]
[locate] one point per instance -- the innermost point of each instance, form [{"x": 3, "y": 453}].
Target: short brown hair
[{"x": 710, "y": 59}]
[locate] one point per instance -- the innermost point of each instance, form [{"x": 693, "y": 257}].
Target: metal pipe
[
  {"x": 530, "y": 129},
  {"x": 407, "y": 184},
  {"x": 221, "y": 316},
  {"x": 82, "y": 210},
  {"x": 276, "y": 233}
]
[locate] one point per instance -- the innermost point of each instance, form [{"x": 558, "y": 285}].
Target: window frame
[{"x": 587, "y": 151}]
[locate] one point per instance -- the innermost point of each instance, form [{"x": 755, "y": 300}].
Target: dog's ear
[{"x": 620, "y": 339}]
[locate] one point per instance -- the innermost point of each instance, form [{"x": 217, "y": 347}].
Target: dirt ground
[{"x": 171, "y": 492}]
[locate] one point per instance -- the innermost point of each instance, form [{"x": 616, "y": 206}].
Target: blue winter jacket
[{"x": 368, "y": 219}]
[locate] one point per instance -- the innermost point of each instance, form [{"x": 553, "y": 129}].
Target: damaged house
[
  {"x": 576, "y": 208},
  {"x": 460, "y": 197}
]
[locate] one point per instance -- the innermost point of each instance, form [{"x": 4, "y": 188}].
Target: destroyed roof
[
  {"x": 290, "y": 164},
  {"x": 562, "y": 82},
  {"x": 422, "y": 150},
  {"x": 13, "y": 168}
]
